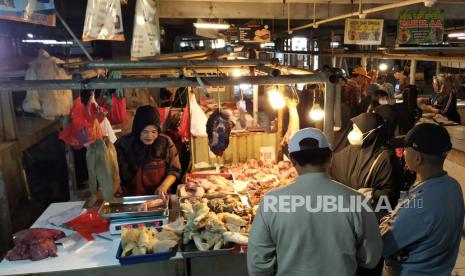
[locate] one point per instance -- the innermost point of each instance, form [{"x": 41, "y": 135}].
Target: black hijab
[
  {"x": 351, "y": 165},
  {"x": 390, "y": 117}
]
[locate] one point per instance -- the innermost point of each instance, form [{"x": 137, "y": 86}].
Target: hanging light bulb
[
  {"x": 237, "y": 73},
  {"x": 383, "y": 66},
  {"x": 317, "y": 113},
  {"x": 276, "y": 99}
]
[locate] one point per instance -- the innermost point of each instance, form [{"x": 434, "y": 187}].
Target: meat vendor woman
[{"x": 148, "y": 160}]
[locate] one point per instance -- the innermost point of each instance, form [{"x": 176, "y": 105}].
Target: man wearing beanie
[{"x": 148, "y": 160}]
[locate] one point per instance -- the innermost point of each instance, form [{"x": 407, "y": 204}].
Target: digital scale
[{"x": 117, "y": 224}]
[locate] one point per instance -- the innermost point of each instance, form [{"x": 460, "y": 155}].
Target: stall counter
[{"x": 95, "y": 254}]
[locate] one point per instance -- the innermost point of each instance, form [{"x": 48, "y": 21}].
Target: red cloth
[{"x": 87, "y": 223}]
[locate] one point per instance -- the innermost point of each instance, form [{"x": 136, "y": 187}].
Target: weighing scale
[{"x": 117, "y": 224}]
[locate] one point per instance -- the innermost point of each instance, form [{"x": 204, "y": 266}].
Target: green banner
[{"x": 424, "y": 27}]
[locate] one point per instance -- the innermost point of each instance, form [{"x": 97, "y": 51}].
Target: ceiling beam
[{"x": 299, "y": 11}]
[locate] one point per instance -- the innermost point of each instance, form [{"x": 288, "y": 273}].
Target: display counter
[{"x": 98, "y": 257}]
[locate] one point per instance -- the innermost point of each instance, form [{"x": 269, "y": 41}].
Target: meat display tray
[
  {"x": 128, "y": 207},
  {"x": 144, "y": 258}
]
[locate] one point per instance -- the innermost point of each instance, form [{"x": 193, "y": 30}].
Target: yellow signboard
[{"x": 363, "y": 31}]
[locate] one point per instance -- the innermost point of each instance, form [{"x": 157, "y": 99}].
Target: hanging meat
[
  {"x": 34, "y": 244},
  {"x": 218, "y": 129}
]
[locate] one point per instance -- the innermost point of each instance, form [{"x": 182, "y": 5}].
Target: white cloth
[{"x": 107, "y": 130}]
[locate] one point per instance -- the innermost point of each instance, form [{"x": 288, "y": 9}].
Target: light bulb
[
  {"x": 317, "y": 113},
  {"x": 276, "y": 99},
  {"x": 383, "y": 67},
  {"x": 237, "y": 73}
]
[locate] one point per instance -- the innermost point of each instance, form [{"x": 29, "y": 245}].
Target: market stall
[{"x": 216, "y": 211}]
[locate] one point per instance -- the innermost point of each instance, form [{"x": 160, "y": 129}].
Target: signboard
[
  {"x": 254, "y": 33},
  {"x": 421, "y": 27},
  {"x": 32, "y": 11},
  {"x": 363, "y": 31}
]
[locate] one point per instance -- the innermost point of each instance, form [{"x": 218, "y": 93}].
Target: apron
[{"x": 149, "y": 177}]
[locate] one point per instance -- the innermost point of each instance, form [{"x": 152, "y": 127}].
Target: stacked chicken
[
  {"x": 143, "y": 241},
  {"x": 209, "y": 230},
  {"x": 210, "y": 185},
  {"x": 262, "y": 176}
]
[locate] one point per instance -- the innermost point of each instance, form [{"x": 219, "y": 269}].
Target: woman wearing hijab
[
  {"x": 148, "y": 160},
  {"x": 390, "y": 117},
  {"x": 445, "y": 100},
  {"x": 367, "y": 164}
]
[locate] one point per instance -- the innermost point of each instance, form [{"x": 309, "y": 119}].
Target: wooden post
[
  {"x": 413, "y": 72},
  {"x": 5, "y": 229},
  {"x": 8, "y": 128}
]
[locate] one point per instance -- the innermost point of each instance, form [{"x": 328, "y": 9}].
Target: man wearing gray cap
[
  {"x": 422, "y": 235},
  {"x": 290, "y": 239}
]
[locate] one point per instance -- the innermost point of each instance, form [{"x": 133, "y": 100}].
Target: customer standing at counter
[
  {"x": 401, "y": 75},
  {"x": 311, "y": 243},
  {"x": 148, "y": 160},
  {"x": 444, "y": 102},
  {"x": 422, "y": 235},
  {"x": 367, "y": 165}
]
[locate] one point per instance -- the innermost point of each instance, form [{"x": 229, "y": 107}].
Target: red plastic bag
[
  {"x": 83, "y": 129},
  {"x": 87, "y": 223},
  {"x": 117, "y": 113},
  {"x": 184, "y": 128}
]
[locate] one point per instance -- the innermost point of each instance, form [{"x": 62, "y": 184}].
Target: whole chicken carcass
[
  {"x": 236, "y": 238},
  {"x": 200, "y": 211},
  {"x": 219, "y": 128}
]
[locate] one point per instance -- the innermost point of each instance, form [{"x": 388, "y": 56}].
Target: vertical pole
[
  {"x": 337, "y": 109},
  {"x": 364, "y": 63},
  {"x": 255, "y": 104},
  {"x": 438, "y": 68},
  {"x": 279, "y": 155},
  {"x": 328, "y": 128},
  {"x": 334, "y": 61},
  {"x": 9, "y": 131},
  {"x": 413, "y": 71},
  {"x": 5, "y": 219}
]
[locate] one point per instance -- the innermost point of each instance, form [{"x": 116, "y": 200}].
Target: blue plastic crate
[{"x": 144, "y": 258}]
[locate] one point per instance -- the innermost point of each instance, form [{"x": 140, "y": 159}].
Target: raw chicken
[{"x": 219, "y": 128}]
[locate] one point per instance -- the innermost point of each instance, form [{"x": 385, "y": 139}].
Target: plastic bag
[
  {"x": 198, "y": 118},
  {"x": 146, "y": 38},
  {"x": 88, "y": 223},
  {"x": 83, "y": 130},
  {"x": 103, "y": 21}
]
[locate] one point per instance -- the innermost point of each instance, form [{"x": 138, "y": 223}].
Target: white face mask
[
  {"x": 383, "y": 101},
  {"x": 356, "y": 137}
]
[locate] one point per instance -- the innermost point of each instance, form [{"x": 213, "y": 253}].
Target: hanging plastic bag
[
  {"x": 146, "y": 37},
  {"x": 49, "y": 104},
  {"x": 183, "y": 128},
  {"x": 103, "y": 21},
  {"x": 198, "y": 118},
  {"x": 80, "y": 132}
]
